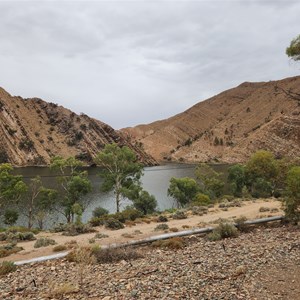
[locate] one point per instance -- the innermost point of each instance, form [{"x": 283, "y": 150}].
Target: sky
[{"x": 135, "y": 62}]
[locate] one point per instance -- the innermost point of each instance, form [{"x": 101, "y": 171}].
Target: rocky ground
[{"x": 261, "y": 264}]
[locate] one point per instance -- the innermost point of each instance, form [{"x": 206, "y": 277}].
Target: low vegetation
[
  {"x": 172, "y": 243},
  {"x": 7, "y": 267},
  {"x": 43, "y": 242},
  {"x": 222, "y": 231}
]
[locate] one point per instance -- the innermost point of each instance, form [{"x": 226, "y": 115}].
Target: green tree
[
  {"x": 210, "y": 179},
  {"x": 74, "y": 184},
  {"x": 293, "y": 50},
  {"x": 183, "y": 190},
  {"x": 142, "y": 200},
  {"x": 12, "y": 187},
  {"x": 292, "y": 200},
  {"x": 119, "y": 169},
  {"x": 38, "y": 199},
  {"x": 261, "y": 171},
  {"x": 10, "y": 217},
  {"x": 237, "y": 179}
]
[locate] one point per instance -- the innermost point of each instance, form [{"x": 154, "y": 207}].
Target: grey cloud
[{"x": 135, "y": 62}]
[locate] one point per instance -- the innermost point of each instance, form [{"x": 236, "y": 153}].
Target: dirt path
[{"x": 249, "y": 209}]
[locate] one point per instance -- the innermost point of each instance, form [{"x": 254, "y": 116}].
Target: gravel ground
[{"x": 262, "y": 264}]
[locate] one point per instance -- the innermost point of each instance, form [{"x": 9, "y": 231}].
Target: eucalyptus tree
[
  {"x": 39, "y": 201},
  {"x": 74, "y": 185},
  {"x": 120, "y": 170},
  {"x": 12, "y": 187},
  {"x": 183, "y": 190}
]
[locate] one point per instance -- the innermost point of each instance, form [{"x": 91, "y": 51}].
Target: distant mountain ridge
[
  {"x": 230, "y": 126},
  {"x": 32, "y": 131}
]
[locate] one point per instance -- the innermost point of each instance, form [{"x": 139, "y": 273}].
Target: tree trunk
[
  {"x": 30, "y": 218},
  {"x": 118, "y": 201}
]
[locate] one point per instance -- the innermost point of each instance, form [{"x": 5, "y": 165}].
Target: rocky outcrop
[
  {"x": 230, "y": 126},
  {"x": 32, "y": 131}
]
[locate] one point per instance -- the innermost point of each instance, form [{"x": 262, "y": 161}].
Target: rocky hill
[
  {"x": 230, "y": 126},
  {"x": 32, "y": 131}
]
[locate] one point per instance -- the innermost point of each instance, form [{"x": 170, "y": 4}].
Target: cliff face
[
  {"x": 229, "y": 127},
  {"x": 32, "y": 131}
]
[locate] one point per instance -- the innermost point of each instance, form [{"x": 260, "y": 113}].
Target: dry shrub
[
  {"x": 82, "y": 256},
  {"x": 71, "y": 244},
  {"x": 161, "y": 227},
  {"x": 7, "y": 267},
  {"x": 174, "y": 229},
  {"x": 59, "y": 248},
  {"x": 43, "y": 242},
  {"x": 112, "y": 255},
  {"x": 127, "y": 235},
  {"x": 9, "y": 249},
  {"x": 146, "y": 220},
  {"x": 100, "y": 236},
  {"x": 186, "y": 226},
  {"x": 161, "y": 219},
  {"x": 113, "y": 224},
  {"x": 172, "y": 243},
  {"x": 136, "y": 232},
  {"x": 130, "y": 223},
  {"x": 240, "y": 223},
  {"x": 224, "y": 230},
  {"x": 62, "y": 289},
  {"x": 264, "y": 209}
]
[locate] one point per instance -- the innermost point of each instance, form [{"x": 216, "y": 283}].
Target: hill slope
[
  {"x": 230, "y": 126},
  {"x": 33, "y": 131}
]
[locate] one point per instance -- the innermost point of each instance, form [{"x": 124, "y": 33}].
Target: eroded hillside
[
  {"x": 230, "y": 126},
  {"x": 32, "y": 131}
]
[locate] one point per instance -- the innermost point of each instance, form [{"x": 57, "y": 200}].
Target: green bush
[
  {"x": 201, "y": 200},
  {"x": 99, "y": 212},
  {"x": 7, "y": 267},
  {"x": 15, "y": 229},
  {"x": 43, "y": 242},
  {"x": 100, "y": 236},
  {"x": 161, "y": 227},
  {"x": 113, "y": 224},
  {"x": 162, "y": 219},
  {"x": 97, "y": 221},
  {"x": 179, "y": 215},
  {"x": 17, "y": 236},
  {"x": 73, "y": 229},
  {"x": 224, "y": 230},
  {"x": 131, "y": 214},
  {"x": 199, "y": 210},
  {"x": 112, "y": 255},
  {"x": 10, "y": 217}
]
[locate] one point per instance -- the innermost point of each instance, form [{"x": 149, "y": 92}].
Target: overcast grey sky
[{"x": 132, "y": 62}]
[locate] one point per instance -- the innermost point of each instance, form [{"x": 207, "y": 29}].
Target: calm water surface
[{"x": 155, "y": 181}]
